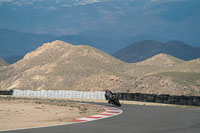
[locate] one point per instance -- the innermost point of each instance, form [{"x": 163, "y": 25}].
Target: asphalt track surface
[{"x": 134, "y": 119}]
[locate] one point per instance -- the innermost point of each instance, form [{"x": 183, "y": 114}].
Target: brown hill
[
  {"x": 60, "y": 65},
  {"x": 161, "y": 60},
  {"x": 3, "y": 63},
  {"x": 189, "y": 66},
  {"x": 174, "y": 83},
  {"x": 152, "y": 65},
  {"x": 179, "y": 78}
]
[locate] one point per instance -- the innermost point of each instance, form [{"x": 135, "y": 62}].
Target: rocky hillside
[
  {"x": 143, "y": 50},
  {"x": 189, "y": 66},
  {"x": 3, "y": 63},
  {"x": 59, "y": 65},
  {"x": 161, "y": 60}
]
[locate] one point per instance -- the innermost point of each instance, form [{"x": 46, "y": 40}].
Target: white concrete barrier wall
[{"x": 60, "y": 94}]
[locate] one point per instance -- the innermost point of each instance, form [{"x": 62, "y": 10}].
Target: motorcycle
[{"x": 114, "y": 100}]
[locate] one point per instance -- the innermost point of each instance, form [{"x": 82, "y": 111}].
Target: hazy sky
[{"x": 116, "y": 19}]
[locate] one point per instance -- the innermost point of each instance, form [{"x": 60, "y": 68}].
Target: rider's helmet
[{"x": 106, "y": 90}]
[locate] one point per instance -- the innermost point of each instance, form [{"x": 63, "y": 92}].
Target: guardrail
[
  {"x": 60, "y": 94},
  {"x": 167, "y": 99},
  {"x": 5, "y": 92}
]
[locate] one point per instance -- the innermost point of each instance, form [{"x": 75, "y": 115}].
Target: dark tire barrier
[
  {"x": 10, "y": 92},
  {"x": 183, "y": 100},
  {"x": 171, "y": 99},
  {"x": 196, "y": 101},
  {"x": 159, "y": 99},
  {"x": 151, "y": 98},
  {"x": 164, "y": 98},
  {"x": 137, "y": 97},
  {"x": 145, "y": 98}
]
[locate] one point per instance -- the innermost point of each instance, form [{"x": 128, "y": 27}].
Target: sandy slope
[{"x": 31, "y": 113}]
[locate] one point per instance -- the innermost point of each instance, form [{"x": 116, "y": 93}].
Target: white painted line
[
  {"x": 106, "y": 114},
  {"x": 103, "y": 116},
  {"x": 86, "y": 119}
]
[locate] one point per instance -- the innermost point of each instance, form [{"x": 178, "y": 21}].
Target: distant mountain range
[
  {"x": 142, "y": 50},
  {"x": 14, "y": 45},
  {"x": 63, "y": 66}
]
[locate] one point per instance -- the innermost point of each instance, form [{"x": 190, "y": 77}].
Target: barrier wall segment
[
  {"x": 164, "y": 98},
  {"x": 167, "y": 99},
  {"x": 60, "y": 94},
  {"x": 5, "y": 92}
]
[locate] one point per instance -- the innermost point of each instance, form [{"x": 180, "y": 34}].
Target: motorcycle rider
[{"x": 108, "y": 95}]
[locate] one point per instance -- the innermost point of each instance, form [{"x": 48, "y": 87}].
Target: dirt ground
[
  {"x": 23, "y": 113},
  {"x": 19, "y": 112}
]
